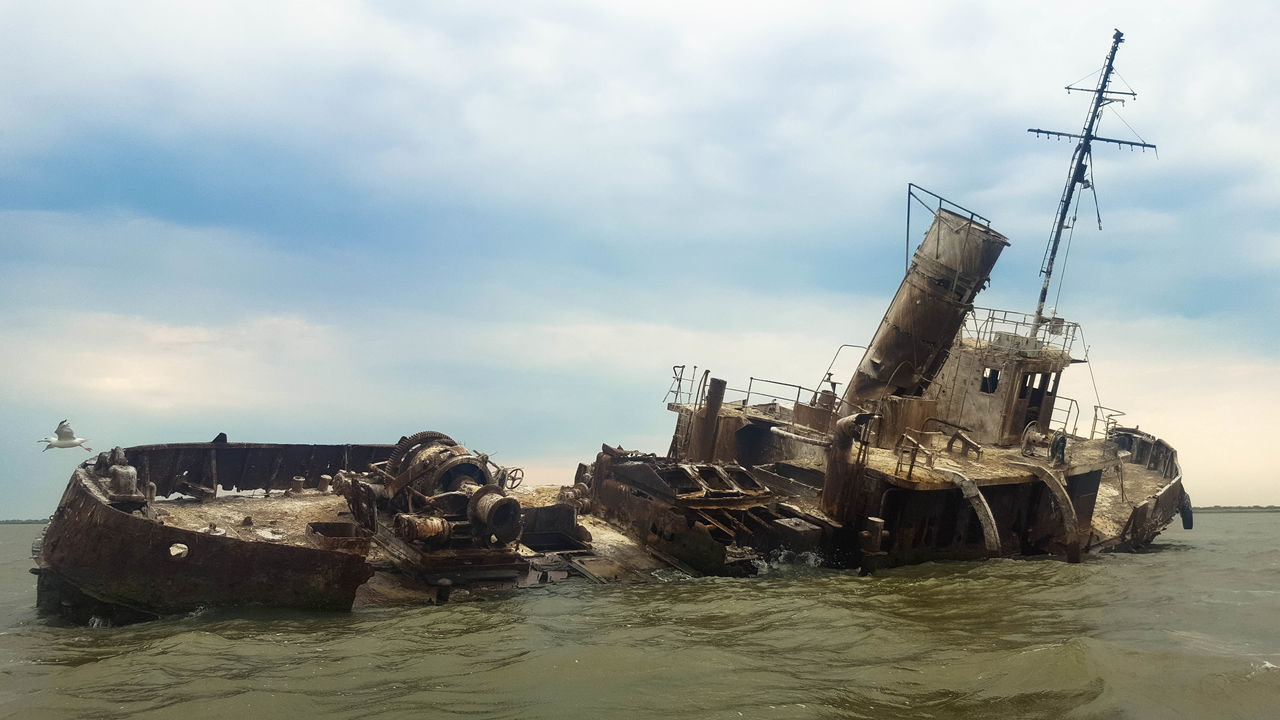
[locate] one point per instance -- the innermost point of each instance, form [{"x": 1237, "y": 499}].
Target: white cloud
[
  {"x": 720, "y": 121},
  {"x": 141, "y": 366},
  {"x": 643, "y": 127}
]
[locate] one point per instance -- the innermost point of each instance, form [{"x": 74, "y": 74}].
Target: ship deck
[
  {"x": 1119, "y": 493},
  {"x": 997, "y": 465},
  {"x": 1122, "y": 488},
  {"x": 278, "y": 518},
  {"x": 282, "y": 519}
]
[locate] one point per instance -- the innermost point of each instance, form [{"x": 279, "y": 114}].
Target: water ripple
[{"x": 1184, "y": 632}]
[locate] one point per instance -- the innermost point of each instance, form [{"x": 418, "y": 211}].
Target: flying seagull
[{"x": 66, "y": 439}]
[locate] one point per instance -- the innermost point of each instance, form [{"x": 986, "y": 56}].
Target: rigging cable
[
  {"x": 1086, "y": 77},
  {"x": 1135, "y": 132},
  {"x": 1097, "y": 398},
  {"x": 1127, "y": 86},
  {"x": 1093, "y": 188},
  {"x": 1066, "y": 255}
]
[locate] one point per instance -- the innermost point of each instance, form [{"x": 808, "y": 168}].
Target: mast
[{"x": 1079, "y": 165}]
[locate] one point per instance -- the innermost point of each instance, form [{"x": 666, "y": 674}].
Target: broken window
[
  {"x": 990, "y": 379},
  {"x": 1028, "y": 381}
]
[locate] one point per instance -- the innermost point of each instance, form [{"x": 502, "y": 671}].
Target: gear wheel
[{"x": 416, "y": 441}]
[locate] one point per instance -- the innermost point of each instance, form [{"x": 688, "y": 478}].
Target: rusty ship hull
[
  {"x": 120, "y": 565},
  {"x": 156, "y": 530},
  {"x": 950, "y": 441},
  {"x": 948, "y": 438},
  {"x": 120, "y": 554}
]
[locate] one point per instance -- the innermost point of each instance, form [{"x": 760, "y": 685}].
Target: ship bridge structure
[{"x": 950, "y": 439}]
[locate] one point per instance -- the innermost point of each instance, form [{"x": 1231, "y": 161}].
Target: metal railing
[
  {"x": 686, "y": 390},
  {"x": 1065, "y": 417},
  {"x": 800, "y": 391},
  {"x": 1012, "y": 330},
  {"x": 827, "y": 377},
  {"x": 690, "y": 390},
  {"x": 934, "y": 204},
  {"x": 1107, "y": 416}
]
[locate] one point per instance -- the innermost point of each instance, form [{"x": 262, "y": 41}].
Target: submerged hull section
[
  {"x": 421, "y": 521},
  {"x": 112, "y": 552},
  {"x": 703, "y": 518},
  {"x": 904, "y": 488},
  {"x": 1146, "y": 495},
  {"x": 117, "y": 558}
]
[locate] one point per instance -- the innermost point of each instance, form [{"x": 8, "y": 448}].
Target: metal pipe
[
  {"x": 846, "y": 427},
  {"x": 800, "y": 438},
  {"x": 710, "y": 419}
]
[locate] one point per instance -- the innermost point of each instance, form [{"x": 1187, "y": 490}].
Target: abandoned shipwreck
[{"x": 949, "y": 440}]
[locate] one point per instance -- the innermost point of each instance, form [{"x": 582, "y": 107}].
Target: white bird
[{"x": 66, "y": 438}]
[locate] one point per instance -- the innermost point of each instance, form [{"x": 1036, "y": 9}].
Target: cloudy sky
[{"x": 346, "y": 222}]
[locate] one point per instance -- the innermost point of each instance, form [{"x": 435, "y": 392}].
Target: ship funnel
[{"x": 947, "y": 271}]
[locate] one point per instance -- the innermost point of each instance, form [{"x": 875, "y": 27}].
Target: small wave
[
  {"x": 198, "y": 612},
  {"x": 1265, "y": 666},
  {"x": 784, "y": 559},
  {"x": 667, "y": 575}
]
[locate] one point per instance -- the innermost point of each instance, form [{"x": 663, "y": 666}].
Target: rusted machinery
[
  {"x": 409, "y": 523},
  {"x": 704, "y": 518},
  {"x": 440, "y": 510}
]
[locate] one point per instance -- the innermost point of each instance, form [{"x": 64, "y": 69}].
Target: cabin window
[
  {"x": 990, "y": 379},
  {"x": 1053, "y": 386},
  {"x": 1028, "y": 382}
]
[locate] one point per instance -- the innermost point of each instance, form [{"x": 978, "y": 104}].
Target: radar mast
[{"x": 1080, "y": 160}]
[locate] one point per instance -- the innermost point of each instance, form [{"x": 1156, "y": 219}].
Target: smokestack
[
  {"x": 947, "y": 271},
  {"x": 707, "y": 425}
]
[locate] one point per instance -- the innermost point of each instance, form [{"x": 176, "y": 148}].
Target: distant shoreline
[
  {"x": 24, "y": 522},
  {"x": 1237, "y": 508}
]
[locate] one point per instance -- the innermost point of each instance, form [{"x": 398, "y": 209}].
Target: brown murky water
[{"x": 1188, "y": 631}]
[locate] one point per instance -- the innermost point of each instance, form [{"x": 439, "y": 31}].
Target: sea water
[{"x": 1189, "y": 629}]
